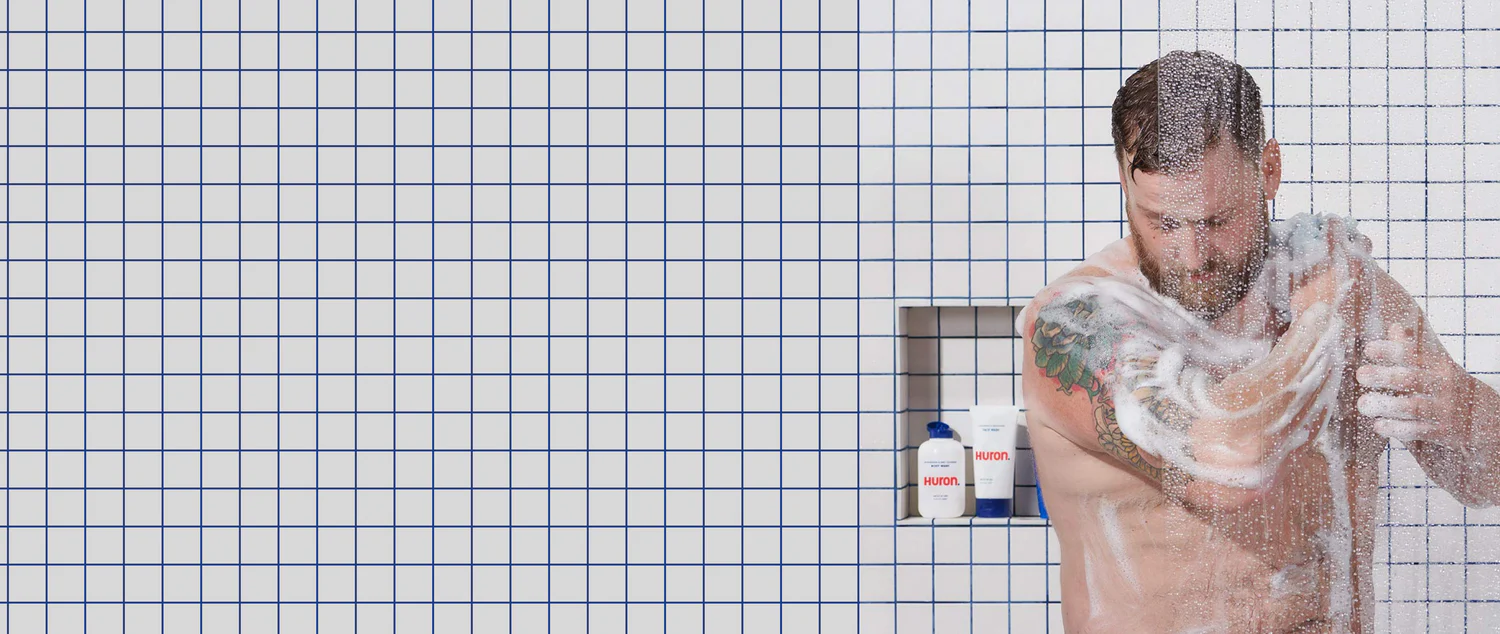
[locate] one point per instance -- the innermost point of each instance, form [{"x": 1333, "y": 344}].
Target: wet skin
[
  {"x": 1145, "y": 549},
  {"x": 1171, "y": 567}
]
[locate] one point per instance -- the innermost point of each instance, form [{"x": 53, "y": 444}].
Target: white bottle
[
  {"x": 940, "y": 473},
  {"x": 994, "y": 465}
]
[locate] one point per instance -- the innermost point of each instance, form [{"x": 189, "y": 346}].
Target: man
[{"x": 1209, "y": 397}]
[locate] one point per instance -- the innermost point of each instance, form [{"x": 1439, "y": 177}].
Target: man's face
[{"x": 1201, "y": 236}]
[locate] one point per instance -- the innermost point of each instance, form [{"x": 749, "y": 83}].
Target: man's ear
[{"x": 1270, "y": 168}]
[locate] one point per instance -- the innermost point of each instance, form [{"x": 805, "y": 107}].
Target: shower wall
[{"x": 585, "y": 315}]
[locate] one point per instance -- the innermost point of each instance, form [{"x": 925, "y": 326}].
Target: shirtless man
[{"x": 1259, "y": 371}]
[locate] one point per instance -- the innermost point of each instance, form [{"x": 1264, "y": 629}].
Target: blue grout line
[
  {"x": 396, "y": 322},
  {"x": 239, "y": 303},
  {"x": 469, "y": 475},
  {"x": 240, "y": 253},
  {"x": 742, "y": 328},
  {"x": 665, "y": 353},
  {"x": 858, "y": 358},
  {"x": 819, "y": 317},
  {"x": 510, "y": 349},
  {"x": 932, "y": 278},
  {"x": 712, "y": 145},
  {"x": 703, "y": 320},
  {"x": 626, "y": 354},
  {"x": 548, "y": 362},
  {"x": 85, "y": 320},
  {"x": 969, "y": 251},
  {"x": 432, "y": 285},
  {"x": 1463, "y": 279},
  {"x": 9, "y": 512},
  {"x": 588, "y": 344},
  {"x": 901, "y": 457},
  {"x": 787, "y": 71},
  {"x": 732, "y": 31},
  {"x": 317, "y": 350},
  {"x": 780, "y": 309},
  {"x": 161, "y": 396},
  {"x": 357, "y": 368},
  {"x": 200, "y": 328},
  {"x": 124, "y": 394},
  {"x": 1390, "y": 609},
  {"x": 1009, "y": 534},
  {"x": 1426, "y": 303},
  {"x": 1010, "y": 577},
  {"x": 46, "y": 330}
]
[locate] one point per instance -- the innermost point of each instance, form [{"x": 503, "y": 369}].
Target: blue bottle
[{"x": 1041, "y": 503}]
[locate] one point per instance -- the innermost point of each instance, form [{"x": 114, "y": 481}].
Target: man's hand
[{"x": 1414, "y": 398}]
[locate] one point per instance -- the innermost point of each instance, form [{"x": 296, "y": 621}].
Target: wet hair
[{"x": 1172, "y": 110}]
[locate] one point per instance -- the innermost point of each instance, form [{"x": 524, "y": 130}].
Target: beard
[{"x": 1227, "y": 283}]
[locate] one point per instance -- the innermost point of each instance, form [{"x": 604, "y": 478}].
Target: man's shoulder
[
  {"x": 1113, "y": 265},
  {"x": 1072, "y": 285}
]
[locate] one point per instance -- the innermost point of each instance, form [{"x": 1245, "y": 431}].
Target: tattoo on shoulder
[{"x": 1074, "y": 348}]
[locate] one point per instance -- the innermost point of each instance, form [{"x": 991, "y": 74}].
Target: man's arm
[
  {"x": 1059, "y": 375},
  {"x": 1415, "y": 392},
  {"x": 1066, "y": 380}
]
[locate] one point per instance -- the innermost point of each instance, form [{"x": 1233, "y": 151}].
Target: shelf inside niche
[{"x": 969, "y": 520}]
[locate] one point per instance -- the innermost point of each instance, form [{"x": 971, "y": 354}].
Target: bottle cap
[
  {"x": 939, "y": 429},
  {"x": 992, "y": 507}
]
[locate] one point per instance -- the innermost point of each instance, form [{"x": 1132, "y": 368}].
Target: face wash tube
[{"x": 994, "y": 430}]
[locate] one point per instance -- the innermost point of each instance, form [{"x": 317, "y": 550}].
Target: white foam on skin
[
  {"x": 1090, "y": 573},
  {"x": 1294, "y": 579},
  {"x": 1177, "y": 354},
  {"x": 1109, "y": 520},
  {"x": 1338, "y": 538},
  {"x": 1173, "y": 352},
  {"x": 1378, "y": 405}
]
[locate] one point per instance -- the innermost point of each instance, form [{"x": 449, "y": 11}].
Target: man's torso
[{"x": 1134, "y": 561}]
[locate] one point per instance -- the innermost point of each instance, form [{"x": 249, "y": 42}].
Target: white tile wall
[{"x": 586, "y": 320}]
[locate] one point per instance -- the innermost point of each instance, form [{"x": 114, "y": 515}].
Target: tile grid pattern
[{"x": 532, "y": 334}]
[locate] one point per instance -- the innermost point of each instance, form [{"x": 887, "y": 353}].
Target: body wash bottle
[{"x": 940, "y": 473}]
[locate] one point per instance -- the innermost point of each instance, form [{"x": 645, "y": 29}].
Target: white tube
[{"x": 994, "y": 429}]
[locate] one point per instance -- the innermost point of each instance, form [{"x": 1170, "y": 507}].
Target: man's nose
[{"x": 1192, "y": 248}]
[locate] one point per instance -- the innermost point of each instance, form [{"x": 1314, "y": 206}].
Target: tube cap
[
  {"x": 992, "y": 507},
  {"x": 939, "y": 429}
]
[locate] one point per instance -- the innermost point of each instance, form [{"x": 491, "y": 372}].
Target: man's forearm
[
  {"x": 1264, "y": 411},
  {"x": 1242, "y": 438}
]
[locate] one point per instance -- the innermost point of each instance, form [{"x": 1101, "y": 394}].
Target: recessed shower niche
[{"x": 952, "y": 357}]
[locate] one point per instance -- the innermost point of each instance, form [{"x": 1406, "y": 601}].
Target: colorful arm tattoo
[{"x": 1075, "y": 349}]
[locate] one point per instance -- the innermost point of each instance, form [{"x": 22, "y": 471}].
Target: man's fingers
[
  {"x": 1399, "y": 332},
  {"x": 1393, "y": 378},
  {"x": 1408, "y": 406},
  {"x": 1402, "y": 429},
  {"x": 1388, "y": 352}
]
